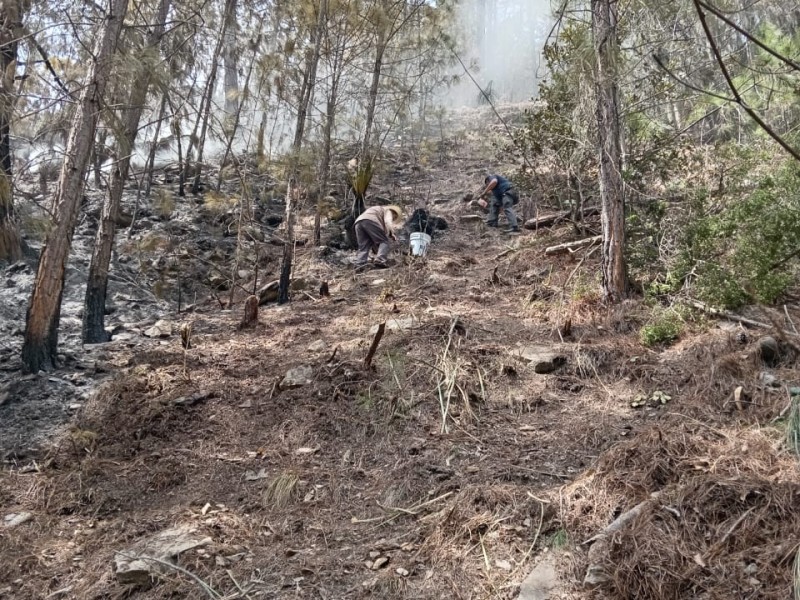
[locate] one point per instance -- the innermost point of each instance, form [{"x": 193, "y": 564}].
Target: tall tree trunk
[
  {"x": 230, "y": 59},
  {"x": 39, "y": 349},
  {"x": 237, "y": 119},
  {"x": 604, "y": 29},
  {"x": 310, "y": 79},
  {"x": 11, "y": 15},
  {"x": 97, "y": 285},
  {"x": 209, "y": 94},
  {"x": 372, "y": 102}
]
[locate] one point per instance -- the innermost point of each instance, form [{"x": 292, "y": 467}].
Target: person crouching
[{"x": 374, "y": 228}]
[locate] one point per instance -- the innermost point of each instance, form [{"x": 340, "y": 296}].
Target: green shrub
[{"x": 665, "y": 326}]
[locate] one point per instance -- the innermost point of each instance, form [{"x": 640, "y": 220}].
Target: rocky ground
[{"x": 504, "y": 419}]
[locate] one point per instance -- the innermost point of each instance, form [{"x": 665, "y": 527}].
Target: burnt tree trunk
[
  {"x": 250, "y": 315},
  {"x": 288, "y": 246},
  {"x": 606, "y": 47},
  {"x": 39, "y": 349},
  {"x": 97, "y": 285}
]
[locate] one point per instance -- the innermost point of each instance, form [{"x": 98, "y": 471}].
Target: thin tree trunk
[
  {"x": 230, "y": 59},
  {"x": 604, "y": 25},
  {"x": 39, "y": 349},
  {"x": 209, "y": 93},
  {"x": 97, "y": 285},
  {"x": 151, "y": 157},
  {"x": 310, "y": 79},
  {"x": 11, "y": 15},
  {"x": 372, "y": 103},
  {"x": 238, "y": 114}
]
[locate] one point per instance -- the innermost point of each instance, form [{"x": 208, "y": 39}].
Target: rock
[
  {"x": 161, "y": 329},
  {"x": 769, "y": 351},
  {"x": 268, "y": 293},
  {"x": 539, "y": 584},
  {"x": 767, "y": 378},
  {"x": 379, "y": 563},
  {"x": 318, "y": 346},
  {"x": 16, "y": 519},
  {"x": 401, "y": 571},
  {"x": 503, "y": 564},
  {"x": 136, "y": 565},
  {"x": 297, "y": 377},
  {"x": 471, "y": 219},
  {"x": 402, "y": 324},
  {"x": 543, "y": 360}
]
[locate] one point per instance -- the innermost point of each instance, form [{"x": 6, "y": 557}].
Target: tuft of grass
[
  {"x": 560, "y": 540},
  {"x": 281, "y": 491}
]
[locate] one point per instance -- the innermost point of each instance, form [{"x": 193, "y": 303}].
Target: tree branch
[
  {"x": 737, "y": 96},
  {"x": 717, "y": 13}
]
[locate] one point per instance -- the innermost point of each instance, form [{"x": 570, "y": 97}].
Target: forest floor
[{"x": 448, "y": 468}]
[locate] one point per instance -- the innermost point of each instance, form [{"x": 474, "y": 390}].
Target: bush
[
  {"x": 665, "y": 327},
  {"x": 745, "y": 249}
]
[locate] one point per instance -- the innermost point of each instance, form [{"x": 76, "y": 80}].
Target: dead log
[
  {"x": 250, "y": 317},
  {"x": 572, "y": 246},
  {"x": 551, "y": 219},
  {"x": 546, "y": 220},
  {"x": 598, "y": 553}
]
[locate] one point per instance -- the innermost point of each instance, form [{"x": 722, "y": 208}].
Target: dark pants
[
  {"x": 507, "y": 204},
  {"x": 371, "y": 236}
]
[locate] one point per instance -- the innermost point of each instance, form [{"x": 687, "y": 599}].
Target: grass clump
[{"x": 281, "y": 491}]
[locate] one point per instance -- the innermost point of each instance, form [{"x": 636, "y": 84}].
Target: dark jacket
[{"x": 502, "y": 187}]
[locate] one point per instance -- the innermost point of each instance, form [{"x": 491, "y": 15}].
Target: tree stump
[{"x": 250, "y": 317}]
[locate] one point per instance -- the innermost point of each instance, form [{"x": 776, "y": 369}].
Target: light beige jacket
[{"x": 380, "y": 215}]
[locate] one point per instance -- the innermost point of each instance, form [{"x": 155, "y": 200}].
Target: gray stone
[
  {"x": 542, "y": 359},
  {"x": 402, "y": 324},
  {"x": 767, "y": 378},
  {"x": 142, "y": 561},
  {"x": 16, "y": 519},
  {"x": 541, "y": 582},
  {"x": 298, "y": 377},
  {"x": 161, "y": 329},
  {"x": 318, "y": 346}
]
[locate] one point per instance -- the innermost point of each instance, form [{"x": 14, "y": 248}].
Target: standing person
[
  {"x": 505, "y": 197},
  {"x": 374, "y": 228}
]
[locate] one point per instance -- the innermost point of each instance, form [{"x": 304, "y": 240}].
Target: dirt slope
[{"x": 447, "y": 469}]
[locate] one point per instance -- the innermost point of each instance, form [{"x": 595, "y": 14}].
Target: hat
[{"x": 395, "y": 209}]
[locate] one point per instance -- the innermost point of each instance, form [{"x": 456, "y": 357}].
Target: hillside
[{"x": 506, "y": 418}]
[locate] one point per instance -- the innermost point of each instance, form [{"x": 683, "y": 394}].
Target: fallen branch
[
  {"x": 551, "y": 219},
  {"x": 728, "y": 316},
  {"x": 595, "y": 572},
  {"x": 572, "y": 246}
]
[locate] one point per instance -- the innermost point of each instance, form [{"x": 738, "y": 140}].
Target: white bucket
[{"x": 419, "y": 243}]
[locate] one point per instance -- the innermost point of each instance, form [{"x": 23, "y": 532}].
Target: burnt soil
[{"x": 448, "y": 455}]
